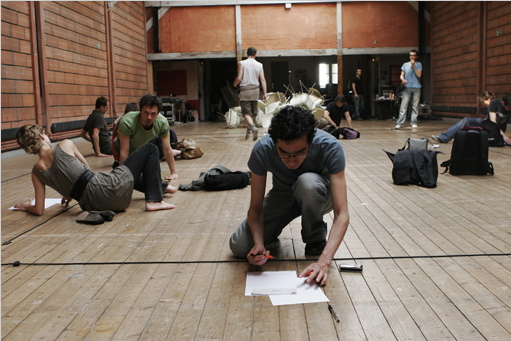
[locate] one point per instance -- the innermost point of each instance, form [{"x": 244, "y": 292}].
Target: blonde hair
[{"x": 28, "y": 137}]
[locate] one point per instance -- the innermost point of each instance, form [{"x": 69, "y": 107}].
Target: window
[{"x": 327, "y": 74}]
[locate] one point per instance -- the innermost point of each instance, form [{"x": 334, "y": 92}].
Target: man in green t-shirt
[{"x": 139, "y": 127}]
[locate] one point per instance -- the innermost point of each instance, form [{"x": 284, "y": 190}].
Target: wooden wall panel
[
  {"x": 498, "y": 53},
  {"x": 74, "y": 60},
  {"x": 455, "y": 53},
  {"x": 468, "y": 55},
  {"x": 76, "y": 56},
  {"x": 18, "y": 103},
  {"x": 130, "y": 56}
]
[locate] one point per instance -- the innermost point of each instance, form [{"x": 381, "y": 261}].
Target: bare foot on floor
[
  {"x": 158, "y": 205},
  {"x": 170, "y": 189}
]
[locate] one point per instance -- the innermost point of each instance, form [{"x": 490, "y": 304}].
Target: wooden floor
[{"x": 436, "y": 262}]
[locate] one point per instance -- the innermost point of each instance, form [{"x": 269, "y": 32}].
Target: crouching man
[{"x": 308, "y": 181}]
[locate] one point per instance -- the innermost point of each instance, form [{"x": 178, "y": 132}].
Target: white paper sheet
[
  {"x": 307, "y": 293},
  {"x": 266, "y": 281},
  {"x": 282, "y": 282},
  {"x": 48, "y": 202}
]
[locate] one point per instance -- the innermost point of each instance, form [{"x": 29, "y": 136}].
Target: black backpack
[
  {"x": 415, "y": 166},
  {"x": 469, "y": 154},
  {"x": 495, "y": 139}
]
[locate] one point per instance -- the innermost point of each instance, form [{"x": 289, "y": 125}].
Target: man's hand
[
  {"x": 316, "y": 272},
  {"x": 257, "y": 256},
  {"x": 172, "y": 177},
  {"x": 102, "y": 155}
]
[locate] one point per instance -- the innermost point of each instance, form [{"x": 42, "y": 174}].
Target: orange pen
[{"x": 267, "y": 256}]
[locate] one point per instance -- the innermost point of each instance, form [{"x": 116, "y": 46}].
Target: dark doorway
[
  {"x": 221, "y": 76},
  {"x": 279, "y": 76}
]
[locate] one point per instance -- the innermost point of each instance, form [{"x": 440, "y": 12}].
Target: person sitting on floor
[
  {"x": 332, "y": 117},
  {"x": 95, "y": 130},
  {"x": 64, "y": 169},
  {"x": 136, "y": 128},
  {"x": 499, "y": 111}
]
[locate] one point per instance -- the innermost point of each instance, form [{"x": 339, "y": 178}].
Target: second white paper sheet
[{"x": 306, "y": 293}]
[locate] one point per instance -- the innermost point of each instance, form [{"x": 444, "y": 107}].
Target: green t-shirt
[{"x": 130, "y": 126}]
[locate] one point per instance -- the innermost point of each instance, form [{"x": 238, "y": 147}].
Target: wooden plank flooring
[{"x": 437, "y": 262}]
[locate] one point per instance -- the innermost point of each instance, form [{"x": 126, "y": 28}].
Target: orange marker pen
[{"x": 267, "y": 256}]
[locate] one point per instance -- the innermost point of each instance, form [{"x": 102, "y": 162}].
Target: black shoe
[
  {"x": 107, "y": 215},
  {"x": 315, "y": 249},
  {"x": 358, "y": 119},
  {"x": 90, "y": 218}
]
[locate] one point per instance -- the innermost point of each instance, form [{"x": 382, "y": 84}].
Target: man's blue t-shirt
[
  {"x": 325, "y": 157},
  {"x": 410, "y": 76}
]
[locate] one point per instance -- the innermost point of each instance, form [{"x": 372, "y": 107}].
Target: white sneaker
[
  {"x": 414, "y": 126},
  {"x": 398, "y": 126}
]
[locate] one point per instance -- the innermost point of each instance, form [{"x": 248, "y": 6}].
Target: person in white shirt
[{"x": 250, "y": 79}]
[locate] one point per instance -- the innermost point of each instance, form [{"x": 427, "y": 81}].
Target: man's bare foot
[
  {"x": 158, "y": 205},
  {"x": 170, "y": 189}
]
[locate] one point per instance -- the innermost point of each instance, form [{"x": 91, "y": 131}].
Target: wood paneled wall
[
  {"x": 58, "y": 57},
  {"x": 18, "y": 73},
  {"x": 468, "y": 54}
]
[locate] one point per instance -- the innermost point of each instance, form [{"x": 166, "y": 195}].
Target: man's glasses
[
  {"x": 413, "y": 55},
  {"x": 286, "y": 156}
]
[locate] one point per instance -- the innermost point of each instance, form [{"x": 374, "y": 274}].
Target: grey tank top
[{"x": 105, "y": 191}]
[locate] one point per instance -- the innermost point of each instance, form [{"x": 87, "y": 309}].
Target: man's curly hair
[{"x": 291, "y": 123}]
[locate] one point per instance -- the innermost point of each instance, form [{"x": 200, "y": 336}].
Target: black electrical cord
[
  {"x": 36, "y": 226},
  {"x": 17, "y": 263}
]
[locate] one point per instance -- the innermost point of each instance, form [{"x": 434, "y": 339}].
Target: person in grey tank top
[
  {"x": 64, "y": 169},
  {"x": 250, "y": 79}
]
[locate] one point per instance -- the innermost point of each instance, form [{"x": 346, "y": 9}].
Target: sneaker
[
  {"x": 437, "y": 138},
  {"x": 315, "y": 249},
  {"x": 398, "y": 126},
  {"x": 247, "y": 135},
  {"x": 255, "y": 133},
  {"x": 414, "y": 126}
]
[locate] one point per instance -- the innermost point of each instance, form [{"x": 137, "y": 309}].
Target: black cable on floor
[
  {"x": 36, "y": 226},
  {"x": 19, "y": 176},
  {"x": 17, "y": 263}
]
